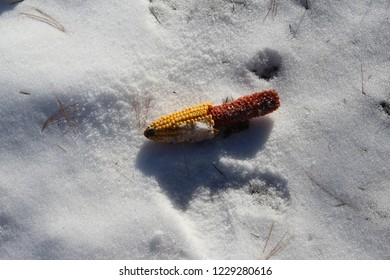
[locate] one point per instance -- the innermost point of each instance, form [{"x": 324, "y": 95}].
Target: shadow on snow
[
  {"x": 8, "y": 6},
  {"x": 180, "y": 169}
]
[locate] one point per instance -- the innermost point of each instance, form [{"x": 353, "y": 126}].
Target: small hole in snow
[
  {"x": 266, "y": 64},
  {"x": 304, "y": 3},
  {"x": 385, "y": 106}
]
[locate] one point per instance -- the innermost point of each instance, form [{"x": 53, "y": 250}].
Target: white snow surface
[{"x": 316, "y": 171}]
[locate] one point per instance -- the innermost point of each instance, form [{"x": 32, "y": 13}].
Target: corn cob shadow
[{"x": 181, "y": 169}]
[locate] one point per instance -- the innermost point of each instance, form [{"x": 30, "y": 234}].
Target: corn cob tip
[{"x": 149, "y": 132}]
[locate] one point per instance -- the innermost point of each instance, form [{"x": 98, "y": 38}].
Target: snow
[{"x": 315, "y": 173}]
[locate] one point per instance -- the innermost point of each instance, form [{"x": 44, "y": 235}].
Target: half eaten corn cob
[{"x": 204, "y": 121}]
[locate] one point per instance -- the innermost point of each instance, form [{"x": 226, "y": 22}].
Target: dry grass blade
[
  {"x": 44, "y": 17},
  {"x": 340, "y": 201},
  {"x": 186, "y": 161},
  {"x": 268, "y": 237},
  {"x": 64, "y": 113},
  {"x": 362, "y": 79},
  {"x": 281, "y": 245},
  {"x": 154, "y": 14},
  {"x": 123, "y": 175},
  {"x": 294, "y": 29},
  {"x": 141, "y": 109},
  {"x": 65, "y": 151},
  {"x": 24, "y": 93},
  {"x": 137, "y": 110},
  {"x": 273, "y": 8},
  {"x": 217, "y": 168}
]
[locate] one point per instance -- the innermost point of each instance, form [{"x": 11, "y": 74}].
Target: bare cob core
[{"x": 203, "y": 121}]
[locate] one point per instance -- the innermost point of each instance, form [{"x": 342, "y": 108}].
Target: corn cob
[{"x": 204, "y": 121}]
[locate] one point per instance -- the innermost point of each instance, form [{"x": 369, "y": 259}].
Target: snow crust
[{"x": 94, "y": 187}]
